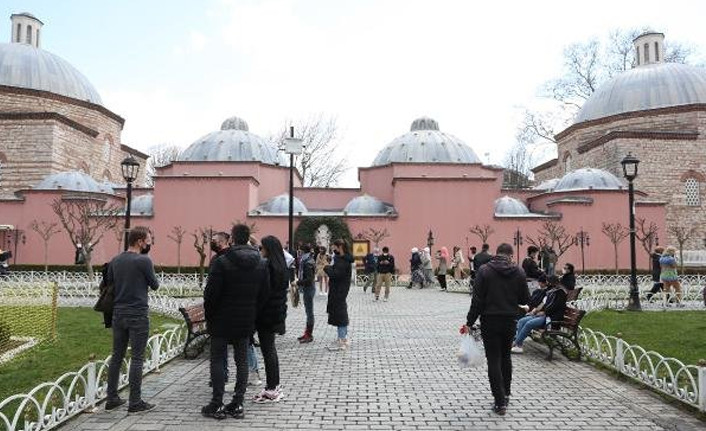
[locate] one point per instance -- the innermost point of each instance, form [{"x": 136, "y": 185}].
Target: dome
[
  {"x": 652, "y": 86},
  {"x": 547, "y": 185},
  {"x": 426, "y": 144},
  {"x": 367, "y": 205},
  {"x": 25, "y": 66},
  {"x": 73, "y": 181},
  {"x": 142, "y": 205},
  {"x": 280, "y": 205},
  {"x": 233, "y": 143},
  {"x": 507, "y": 206},
  {"x": 588, "y": 179}
]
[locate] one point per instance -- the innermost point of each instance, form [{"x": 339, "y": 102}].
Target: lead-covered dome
[
  {"x": 142, "y": 205},
  {"x": 588, "y": 179},
  {"x": 25, "y": 66},
  {"x": 280, "y": 205},
  {"x": 72, "y": 181},
  {"x": 233, "y": 143},
  {"x": 547, "y": 185},
  {"x": 425, "y": 143},
  {"x": 645, "y": 87},
  {"x": 367, "y": 205},
  {"x": 507, "y": 206}
]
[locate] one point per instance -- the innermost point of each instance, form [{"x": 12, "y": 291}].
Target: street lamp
[
  {"x": 430, "y": 240},
  {"x": 129, "y": 166},
  {"x": 630, "y": 163},
  {"x": 292, "y": 146},
  {"x": 517, "y": 240},
  {"x": 582, "y": 239}
]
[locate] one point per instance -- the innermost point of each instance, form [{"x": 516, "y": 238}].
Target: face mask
[
  {"x": 214, "y": 246},
  {"x": 145, "y": 249},
  {"x": 336, "y": 252}
]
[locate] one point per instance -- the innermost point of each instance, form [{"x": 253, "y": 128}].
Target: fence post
[
  {"x": 619, "y": 353},
  {"x": 92, "y": 384},
  {"x": 155, "y": 353},
  {"x": 702, "y": 385},
  {"x": 54, "y": 308}
]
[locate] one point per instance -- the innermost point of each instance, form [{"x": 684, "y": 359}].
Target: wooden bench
[
  {"x": 573, "y": 295},
  {"x": 562, "y": 335},
  {"x": 195, "y": 318}
]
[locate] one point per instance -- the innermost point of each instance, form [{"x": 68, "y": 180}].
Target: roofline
[
  {"x": 28, "y": 15},
  {"x": 688, "y": 135},
  {"x": 134, "y": 152},
  {"x": 395, "y": 179},
  {"x": 259, "y": 162},
  {"x": 19, "y": 116},
  {"x": 546, "y": 165},
  {"x": 648, "y": 33},
  {"x": 494, "y": 168}
]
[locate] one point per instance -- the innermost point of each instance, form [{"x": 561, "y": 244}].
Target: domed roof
[
  {"x": 547, "y": 185},
  {"x": 280, "y": 205},
  {"x": 588, "y": 179},
  {"x": 507, "y": 206},
  {"x": 142, "y": 205},
  {"x": 25, "y": 66},
  {"x": 367, "y": 205},
  {"x": 646, "y": 87},
  {"x": 233, "y": 143},
  {"x": 426, "y": 144},
  {"x": 73, "y": 181}
]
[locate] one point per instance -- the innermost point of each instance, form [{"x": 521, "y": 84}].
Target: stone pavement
[{"x": 400, "y": 374}]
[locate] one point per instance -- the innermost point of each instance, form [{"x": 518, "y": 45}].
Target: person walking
[
  {"x": 271, "y": 318},
  {"x": 322, "y": 259},
  {"x": 386, "y": 267},
  {"x": 416, "y": 275},
  {"x": 307, "y": 286},
  {"x": 339, "y": 274},
  {"x": 370, "y": 263},
  {"x": 427, "y": 267},
  {"x": 482, "y": 258},
  {"x": 668, "y": 275},
  {"x": 131, "y": 274},
  {"x": 237, "y": 288},
  {"x": 656, "y": 270},
  {"x": 457, "y": 263},
  {"x": 499, "y": 291},
  {"x": 442, "y": 267}
]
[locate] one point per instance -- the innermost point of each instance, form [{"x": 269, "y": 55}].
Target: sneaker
[
  {"x": 385, "y": 299},
  {"x": 501, "y": 410},
  {"x": 254, "y": 378},
  {"x": 141, "y": 407},
  {"x": 268, "y": 396},
  {"x": 377, "y": 298},
  {"x": 213, "y": 410},
  {"x": 306, "y": 339},
  {"x": 517, "y": 349},
  {"x": 346, "y": 343},
  {"x": 114, "y": 404},
  {"x": 335, "y": 346},
  {"x": 234, "y": 410},
  {"x": 301, "y": 338}
]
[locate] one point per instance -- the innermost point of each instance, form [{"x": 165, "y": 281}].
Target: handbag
[
  {"x": 294, "y": 295},
  {"x": 106, "y": 299}
]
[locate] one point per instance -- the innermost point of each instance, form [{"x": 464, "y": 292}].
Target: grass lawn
[
  {"x": 679, "y": 334},
  {"x": 80, "y": 333}
]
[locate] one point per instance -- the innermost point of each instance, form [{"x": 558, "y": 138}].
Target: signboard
[{"x": 360, "y": 249}]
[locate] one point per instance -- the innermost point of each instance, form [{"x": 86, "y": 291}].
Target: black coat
[
  {"x": 272, "y": 317},
  {"x": 339, "y": 275},
  {"x": 656, "y": 267},
  {"x": 531, "y": 268},
  {"x": 499, "y": 290},
  {"x": 568, "y": 280},
  {"x": 237, "y": 288},
  {"x": 481, "y": 259}
]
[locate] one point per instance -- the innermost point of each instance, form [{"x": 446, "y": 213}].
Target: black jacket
[
  {"x": 307, "y": 271},
  {"x": 500, "y": 288},
  {"x": 339, "y": 275},
  {"x": 370, "y": 262},
  {"x": 656, "y": 267},
  {"x": 481, "y": 259},
  {"x": 531, "y": 268},
  {"x": 272, "y": 317},
  {"x": 568, "y": 280},
  {"x": 415, "y": 262},
  {"x": 386, "y": 264},
  {"x": 555, "y": 306},
  {"x": 237, "y": 288}
]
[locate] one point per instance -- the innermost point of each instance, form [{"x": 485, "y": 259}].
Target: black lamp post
[
  {"x": 292, "y": 146},
  {"x": 430, "y": 240},
  {"x": 129, "y": 166},
  {"x": 630, "y": 163},
  {"x": 583, "y": 240},
  {"x": 517, "y": 240}
]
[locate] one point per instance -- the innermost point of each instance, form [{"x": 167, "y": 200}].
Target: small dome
[
  {"x": 72, "y": 181},
  {"x": 646, "y": 87},
  {"x": 426, "y": 144},
  {"x": 25, "y": 66},
  {"x": 233, "y": 143},
  {"x": 367, "y": 205},
  {"x": 507, "y": 206},
  {"x": 547, "y": 185},
  {"x": 588, "y": 179},
  {"x": 280, "y": 205},
  {"x": 142, "y": 205}
]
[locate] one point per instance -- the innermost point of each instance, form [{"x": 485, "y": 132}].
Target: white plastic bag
[{"x": 469, "y": 352}]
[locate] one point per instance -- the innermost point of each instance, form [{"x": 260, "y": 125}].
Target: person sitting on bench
[{"x": 551, "y": 309}]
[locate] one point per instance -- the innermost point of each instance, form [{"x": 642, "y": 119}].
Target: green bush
[{"x": 4, "y": 332}]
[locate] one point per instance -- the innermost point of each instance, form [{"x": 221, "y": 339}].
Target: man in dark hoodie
[
  {"x": 307, "y": 285},
  {"x": 656, "y": 270},
  {"x": 237, "y": 288},
  {"x": 500, "y": 289}
]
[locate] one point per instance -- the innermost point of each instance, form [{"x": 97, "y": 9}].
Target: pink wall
[{"x": 326, "y": 198}]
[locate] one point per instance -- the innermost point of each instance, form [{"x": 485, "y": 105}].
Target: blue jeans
[
  {"x": 525, "y": 325},
  {"x": 252, "y": 358},
  {"x": 342, "y": 332},
  {"x": 308, "y": 293},
  {"x": 133, "y": 330}
]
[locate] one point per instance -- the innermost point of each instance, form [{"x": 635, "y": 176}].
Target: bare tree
[
  {"x": 376, "y": 236},
  {"x": 482, "y": 232},
  {"x": 682, "y": 234},
  {"x": 85, "y": 218},
  {"x": 321, "y": 164},
  {"x": 177, "y": 235},
  {"x": 517, "y": 167},
  {"x": 616, "y": 233},
  {"x": 160, "y": 155},
  {"x": 552, "y": 234},
  {"x": 202, "y": 238},
  {"x": 45, "y": 230},
  {"x": 646, "y": 233}
]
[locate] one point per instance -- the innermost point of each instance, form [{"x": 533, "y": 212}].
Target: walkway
[{"x": 401, "y": 374}]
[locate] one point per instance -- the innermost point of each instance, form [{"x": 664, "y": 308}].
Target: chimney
[
  {"x": 649, "y": 49},
  {"x": 26, "y": 29}
]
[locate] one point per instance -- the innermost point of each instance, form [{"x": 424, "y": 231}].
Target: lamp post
[
  {"x": 430, "y": 240},
  {"x": 292, "y": 146},
  {"x": 582, "y": 239},
  {"x": 630, "y": 163},
  {"x": 517, "y": 240},
  {"x": 130, "y": 167}
]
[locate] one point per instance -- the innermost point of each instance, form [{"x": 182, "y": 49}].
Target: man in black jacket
[
  {"x": 481, "y": 258},
  {"x": 220, "y": 243},
  {"x": 500, "y": 289},
  {"x": 386, "y": 267},
  {"x": 237, "y": 288},
  {"x": 307, "y": 285},
  {"x": 531, "y": 268},
  {"x": 656, "y": 270}
]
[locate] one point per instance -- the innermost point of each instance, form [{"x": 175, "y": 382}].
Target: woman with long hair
[
  {"x": 271, "y": 318},
  {"x": 322, "y": 259},
  {"x": 442, "y": 268},
  {"x": 340, "y": 275},
  {"x": 668, "y": 276}
]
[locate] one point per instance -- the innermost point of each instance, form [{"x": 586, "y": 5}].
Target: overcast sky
[{"x": 176, "y": 69}]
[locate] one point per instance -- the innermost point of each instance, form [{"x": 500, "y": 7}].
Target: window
[
  {"x": 29, "y": 34},
  {"x": 19, "y": 33},
  {"x": 567, "y": 163},
  {"x": 37, "y": 38},
  {"x": 646, "y": 51},
  {"x": 691, "y": 190},
  {"x": 656, "y": 51},
  {"x": 637, "y": 49}
]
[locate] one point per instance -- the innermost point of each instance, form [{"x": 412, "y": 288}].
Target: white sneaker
[
  {"x": 254, "y": 379},
  {"x": 385, "y": 299},
  {"x": 517, "y": 349},
  {"x": 335, "y": 346}
]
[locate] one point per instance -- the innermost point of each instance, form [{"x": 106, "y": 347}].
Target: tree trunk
[
  {"x": 46, "y": 256},
  {"x": 615, "y": 246},
  {"x": 89, "y": 267},
  {"x": 179, "y": 258},
  {"x": 201, "y": 269},
  {"x": 681, "y": 257}
]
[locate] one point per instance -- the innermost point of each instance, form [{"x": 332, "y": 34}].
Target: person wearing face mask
[{"x": 131, "y": 273}]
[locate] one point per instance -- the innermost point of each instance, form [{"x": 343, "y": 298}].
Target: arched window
[
  {"x": 106, "y": 150},
  {"x": 107, "y": 177},
  {"x": 19, "y": 33},
  {"x": 646, "y": 51},
  {"x": 637, "y": 50},
  {"x": 656, "y": 51},
  {"x": 29, "y": 34},
  {"x": 692, "y": 192},
  {"x": 83, "y": 167},
  {"x": 37, "y": 38},
  {"x": 567, "y": 163}
]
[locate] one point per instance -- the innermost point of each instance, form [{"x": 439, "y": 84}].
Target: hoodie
[
  {"x": 237, "y": 288},
  {"x": 500, "y": 288}
]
